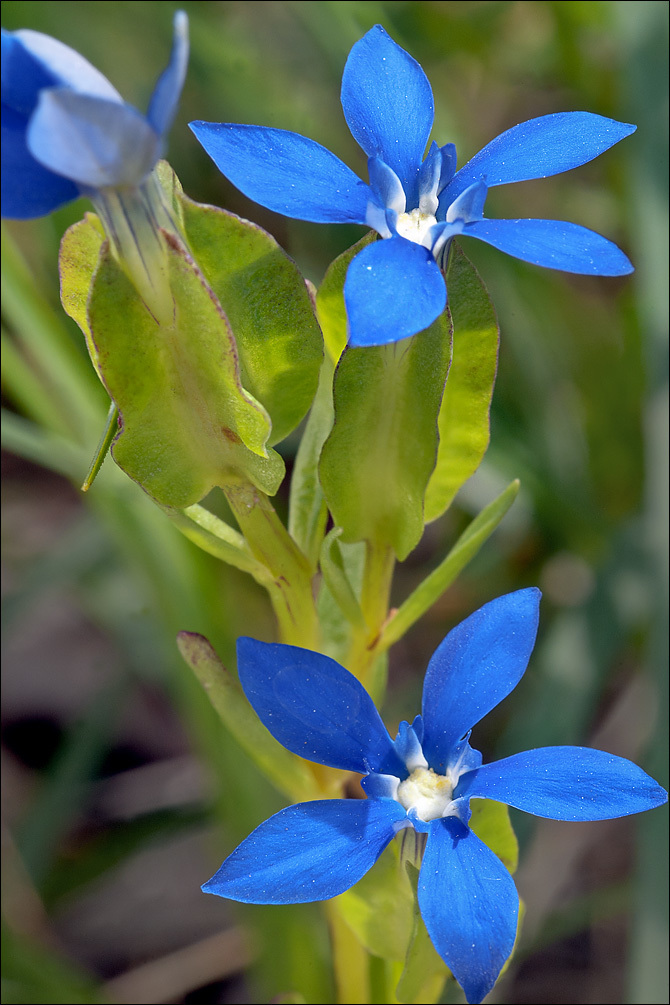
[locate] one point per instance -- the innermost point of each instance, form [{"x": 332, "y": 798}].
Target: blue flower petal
[
  {"x": 32, "y": 61},
  {"x": 315, "y": 707},
  {"x": 478, "y": 664},
  {"x": 469, "y": 905},
  {"x": 388, "y": 104},
  {"x": 28, "y": 189},
  {"x": 285, "y": 172},
  {"x": 394, "y": 288},
  {"x": 23, "y": 76},
  {"x": 311, "y": 851},
  {"x": 553, "y": 244},
  {"x": 539, "y": 148},
  {"x": 566, "y": 783},
  {"x": 91, "y": 141},
  {"x": 165, "y": 98}
]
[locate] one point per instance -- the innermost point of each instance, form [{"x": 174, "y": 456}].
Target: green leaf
[
  {"x": 464, "y": 415},
  {"x": 290, "y": 774},
  {"x": 336, "y": 579},
  {"x": 173, "y": 193},
  {"x": 490, "y": 821},
  {"x": 376, "y": 463},
  {"x": 105, "y": 442},
  {"x": 434, "y": 585},
  {"x": 77, "y": 262},
  {"x": 187, "y": 423},
  {"x": 330, "y": 299},
  {"x": 380, "y": 908},
  {"x": 308, "y": 514},
  {"x": 269, "y": 309},
  {"x": 335, "y": 630}
]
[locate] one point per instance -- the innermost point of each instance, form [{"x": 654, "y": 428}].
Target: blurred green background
[{"x": 122, "y": 792}]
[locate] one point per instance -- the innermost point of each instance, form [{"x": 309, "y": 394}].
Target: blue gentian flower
[
  {"x": 424, "y": 779},
  {"x": 394, "y": 287},
  {"x": 66, "y": 131}
]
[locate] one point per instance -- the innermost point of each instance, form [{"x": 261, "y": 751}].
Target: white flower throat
[
  {"x": 426, "y": 792},
  {"x": 415, "y": 226}
]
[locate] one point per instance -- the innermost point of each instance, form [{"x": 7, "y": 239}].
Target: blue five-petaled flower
[
  {"x": 394, "y": 287},
  {"x": 67, "y": 132},
  {"x": 424, "y": 779}
]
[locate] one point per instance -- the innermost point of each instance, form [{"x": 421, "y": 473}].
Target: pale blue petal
[
  {"x": 28, "y": 189},
  {"x": 315, "y": 707},
  {"x": 408, "y": 747},
  {"x": 553, "y": 244},
  {"x": 91, "y": 141},
  {"x": 474, "y": 668},
  {"x": 385, "y": 183},
  {"x": 378, "y": 786},
  {"x": 388, "y": 104},
  {"x": 165, "y": 99},
  {"x": 60, "y": 66},
  {"x": 430, "y": 174},
  {"x": 469, "y": 205},
  {"x": 566, "y": 783},
  {"x": 393, "y": 289},
  {"x": 539, "y": 148},
  {"x": 285, "y": 172},
  {"x": 312, "y": 851},
  {"x": 469, "y": 905}
]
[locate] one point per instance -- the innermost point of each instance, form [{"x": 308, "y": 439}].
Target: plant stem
[
  {"x": 375, "y": 593},
  {"x": 291, "y": 586}
]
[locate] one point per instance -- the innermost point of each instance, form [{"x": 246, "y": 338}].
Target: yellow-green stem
[
  {"x": 291, "y": 587},
  {"x": 375, "y": 593}
]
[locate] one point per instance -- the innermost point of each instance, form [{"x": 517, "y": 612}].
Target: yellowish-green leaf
[
  {"x": 269, "y": 308},
  {"x": 380, "y": 908},
  {"x": 289, "y": 773},
  {"x": 78, "y": 261},
  {"x": 464, "y": 415},
  {"x": 376, "y": 463},
  {"x": 425, "y": 972},
  {"x": 187, "y": 423},
  {"x": 330, "y": 299},
  {"x": 490, "y": 821},
  {"x": 434, "y": 585}
]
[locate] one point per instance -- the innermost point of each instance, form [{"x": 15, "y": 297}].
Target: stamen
[
  {"x": 428, "y": 794},
  {"x": 415, "y": 226}
]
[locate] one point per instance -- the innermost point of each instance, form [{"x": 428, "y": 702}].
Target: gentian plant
[
  {"x": 213, "y": 348},
  {"x": 424, "y": 780},
  {"x": 395, "y": 287}
]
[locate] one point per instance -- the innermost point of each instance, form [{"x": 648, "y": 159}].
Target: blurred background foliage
[{"x": 122, "y": 791}]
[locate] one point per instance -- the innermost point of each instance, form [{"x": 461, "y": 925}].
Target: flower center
[
  {"x": 415, "y": 226},
  {"x": 427, "y": 793}
]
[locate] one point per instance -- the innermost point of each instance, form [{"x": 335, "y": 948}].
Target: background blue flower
[
  {"x": 394, "y": 288},
  {"x": 424, "y": 779},
  {"x": 66, "y": 131}
]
